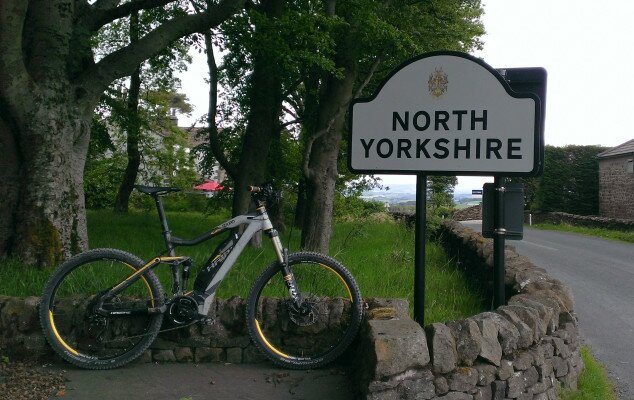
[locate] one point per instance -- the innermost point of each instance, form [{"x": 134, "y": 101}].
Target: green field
[
  {"x": 379, "y": 254},
  {"x": 612, "y": 234}
]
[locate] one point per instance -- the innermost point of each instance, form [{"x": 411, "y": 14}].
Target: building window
[{"x": 630, "y": 166}]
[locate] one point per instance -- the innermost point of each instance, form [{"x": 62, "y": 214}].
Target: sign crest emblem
[{"x": 437, "y": 82}]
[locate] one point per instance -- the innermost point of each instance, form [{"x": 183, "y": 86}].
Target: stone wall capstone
[{"x": 524, "y": 350}]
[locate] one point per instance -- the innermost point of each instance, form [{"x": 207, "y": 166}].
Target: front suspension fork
[{"x": 289, "y": 278}]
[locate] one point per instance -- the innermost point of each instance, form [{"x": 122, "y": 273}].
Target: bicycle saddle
[{"x": 156, "y": 189}]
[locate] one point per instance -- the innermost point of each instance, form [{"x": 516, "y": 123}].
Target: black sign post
[
  {"x": 419, "y": 248},
  {"x": 499, "y": 238}
]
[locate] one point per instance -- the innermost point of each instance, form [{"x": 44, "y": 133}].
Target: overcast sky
[{"x": 587, "y": 49}]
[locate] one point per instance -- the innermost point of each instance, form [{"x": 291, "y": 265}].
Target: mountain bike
[{"x": 103, "y": 308}]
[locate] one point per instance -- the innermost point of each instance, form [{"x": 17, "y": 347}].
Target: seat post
[{"x": 166, "y": 230}]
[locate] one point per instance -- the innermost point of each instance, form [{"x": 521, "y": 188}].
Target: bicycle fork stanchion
[
  {"x": 419, "y": 248},
  {"x": 499, "y": 236}
]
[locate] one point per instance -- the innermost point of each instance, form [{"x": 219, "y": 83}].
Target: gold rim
[
  {"x": 268, "y": 344},
  {"x": 340, "y": 278}
]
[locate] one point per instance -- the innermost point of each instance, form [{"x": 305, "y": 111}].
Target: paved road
[
  {"x": 601, "y": 275},
  {"x": 204, "y": 381}
]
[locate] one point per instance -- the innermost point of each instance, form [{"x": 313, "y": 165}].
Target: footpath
[{"x": 216, "y": 381}]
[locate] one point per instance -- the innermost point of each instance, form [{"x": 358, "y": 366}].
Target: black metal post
[
  {"x": 499, "y": 236},
  {"x": 419, "y": 248}
]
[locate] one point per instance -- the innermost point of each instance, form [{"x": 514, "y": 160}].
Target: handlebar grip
[{"x": 254, "y": 189}]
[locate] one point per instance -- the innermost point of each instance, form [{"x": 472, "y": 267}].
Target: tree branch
[
  {"x": 214, "y": 140},
  {"x": 122, "y": 62},
  {"x": 104, "y": 12},
  {"x": 368, "y": 77},
  {"x": 15, "y": 82}
]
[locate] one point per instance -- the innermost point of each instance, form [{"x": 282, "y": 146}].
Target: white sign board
[{"x": 445, "y": 113}]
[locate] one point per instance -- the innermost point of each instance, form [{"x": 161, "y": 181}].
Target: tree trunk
[
  {"x": 134, "y": 130},
  {"x": 50, "y": 216},
  {"x": 9, "y": 181},
  {"x": 321, "y": 171},
  {"x": 265, "y": 100}
]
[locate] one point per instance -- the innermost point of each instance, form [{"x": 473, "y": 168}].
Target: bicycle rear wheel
[
  {"x": 82, "y": 336},
  {"x": 321, "y": 328}
]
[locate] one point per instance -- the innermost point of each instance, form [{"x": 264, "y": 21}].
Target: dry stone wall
[
  {"x": 524, "y": 350},
  {"x": 226, "y": 339}
]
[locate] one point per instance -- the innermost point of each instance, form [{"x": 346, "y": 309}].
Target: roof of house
[{"x": 622, "y": 149}]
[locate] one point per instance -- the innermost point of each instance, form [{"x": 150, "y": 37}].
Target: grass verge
[
  {"x": 611, "y": 234},
  {"x": 593, "y": 383},
  {"x": 380, "y": 254}
]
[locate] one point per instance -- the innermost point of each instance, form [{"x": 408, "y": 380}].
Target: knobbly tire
[
  {"x": 84, "y": 338},
  {"x": 321, "y": 328}
]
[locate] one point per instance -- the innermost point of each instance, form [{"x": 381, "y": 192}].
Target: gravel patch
[{"x": 30, "y": 381}]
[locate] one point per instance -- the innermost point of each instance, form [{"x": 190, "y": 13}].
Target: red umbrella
[{"x": 210, "y": 186}]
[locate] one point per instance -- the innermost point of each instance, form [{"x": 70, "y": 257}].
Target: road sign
[
  {"x": 476, "y": 192},
  {"x": 446, "y": 113},
  {"x": 512, "y": 211}
]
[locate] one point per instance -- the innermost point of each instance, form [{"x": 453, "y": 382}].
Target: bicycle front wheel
[
  {"x": 316, "y": 331},
  {"x": 87, "y": 338}
]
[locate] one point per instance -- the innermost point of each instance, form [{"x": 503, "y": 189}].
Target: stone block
[
  {"x": 491, "y": 349},
  {"x": 538, "y": 355},
  {"x": 499, "y": 390},
  {"x": 252, "y": 355},
  {"x": 234, "y": 355},
  {"x": 538, "y": 388},
  {"x": 506, "y": 370},
  {"x": 390, "y": 394},
  {"x": 463, "y": 379},
  {"x": 231, "y": 313},
  {"x": 419, "y": 389},
  {"x": 444, "y": 356},
  {"x": 442, "y": 386},
  {"x": 549, "y": 349},
  {"x": 531, "y": 318},
  {"x": 398, "y": 345},
  {"x": 507, "y": 333},
  {"x": 526, "y": 335},
  {"x": 516, "y": 385},
  {"x": 560, "y": 366},
  {"x": 209, "y": 354},
  {"x": 183, "y": 354},
  {"x": 144, "y": 358},
  {"x": 540, "y": 396},
  {"x": 545, "y": 370},
  {"x": 400, "y": 306},
  {"x": 456, "y": 396},
  {"x": 483, "y": 393},
  {"x": 468, "y": 340},
  {"x": 392, "y": 382},
  {"x": 560, "y": 348},
  {"x": 569, "y": 381},
  {"x": 163, "y": 356},
  {"x": 523, "y": 361},
  {"x": 530, "y": 376},
  {"x": 486, "y": 374}
]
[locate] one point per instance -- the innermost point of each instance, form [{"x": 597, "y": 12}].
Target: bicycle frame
[{"x": 255, "y": 222}]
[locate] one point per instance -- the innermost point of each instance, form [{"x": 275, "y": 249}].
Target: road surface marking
[{"x": 540, "y": 245}]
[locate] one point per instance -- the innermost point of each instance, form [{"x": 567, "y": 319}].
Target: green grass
[
  {"x": 379, "y": 254},
  {"x": 623, "y": 236},
  {"x": 593, "y": 382}
]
